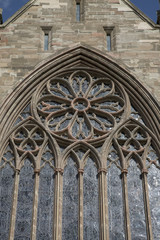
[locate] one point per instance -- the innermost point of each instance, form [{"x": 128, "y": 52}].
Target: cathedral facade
[{"x": 80, "y": 122}]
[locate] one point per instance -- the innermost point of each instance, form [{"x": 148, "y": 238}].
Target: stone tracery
[
  {"x": 80, "y": 107},
  {"x": 91, "y": 116}
]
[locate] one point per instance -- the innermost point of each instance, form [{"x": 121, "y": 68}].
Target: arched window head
[{"x": 80, "y": 154}]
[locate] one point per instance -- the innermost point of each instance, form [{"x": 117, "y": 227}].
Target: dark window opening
[
  {"x": 46, "y": 41},
  {"x": 47, "y": 37},
  {"x": 109, "y": 31},
  {"x": 78, "y": 17},
  {"x": 108, "y": 41}
]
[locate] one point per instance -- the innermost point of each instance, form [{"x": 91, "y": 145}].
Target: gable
[
  {"x": 121, "y": 5},
  {"x": 135, "y": 41}
]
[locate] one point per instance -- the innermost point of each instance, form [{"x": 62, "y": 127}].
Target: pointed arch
[
  {"x": 17, "y": 129},
  {"x": 140, "y": 133},
  {"x": 106, "y": 105},
  {"x": 89, "y": 150},
  {"x": 85, "y": 56},
  {"x": 134, "y": 149},
  {"x": 33, "y": 150}
]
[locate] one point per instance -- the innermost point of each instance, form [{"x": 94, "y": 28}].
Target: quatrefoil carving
[{"x": 28, "y": 138}]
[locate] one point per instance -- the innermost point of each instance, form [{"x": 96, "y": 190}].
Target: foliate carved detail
[
  {"x": 152, "y": 158},
  {"x": 135, "y": 142},
  {"x": 8, "y": 158},
  {"x": 48, "y": 158},
  {"x": 132, "y": 141},
  {"x": 80, "y": 107},
  {"x": 113, "y": 158},
  {"x": 28, "y": 140},
  {"x": 132, "y": 138}
]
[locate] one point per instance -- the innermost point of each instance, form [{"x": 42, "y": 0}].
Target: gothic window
[{"x": 80, "y": 161}]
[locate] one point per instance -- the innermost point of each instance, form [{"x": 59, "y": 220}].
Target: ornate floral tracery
[
  {"x": 80, "y": 105},
  {"x": 86, "y": 147}
]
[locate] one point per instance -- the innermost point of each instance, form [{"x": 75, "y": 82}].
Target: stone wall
[{"x": 135, "y": 39}]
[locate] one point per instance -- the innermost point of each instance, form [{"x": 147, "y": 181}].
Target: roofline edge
[
  {"x": 29, "y": 4},
  {"x": 141, "y": 14},
  {"x": 17, "y": 14}
]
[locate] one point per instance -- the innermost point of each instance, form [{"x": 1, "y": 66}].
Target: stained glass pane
[
  {"x": 45, "y": 204},
  {"x": 70, "y": 202},
  {"x": 91, "y": 202},
  {"x": 78, "y": 12},
  {"x": 115, "y": 204},
  {"x": 46, "y": 41},
  {"x": 25, "y": 203},
  {"x": 108, "y": 41},
  {"x": 24, "y": 114},
  {"x": 154, "y": 197},
  {"x": 6, "y": 191},
  {"x": 136, "y": 204}
]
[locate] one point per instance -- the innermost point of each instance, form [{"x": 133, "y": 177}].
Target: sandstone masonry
[{"x": 135, "y": 38}]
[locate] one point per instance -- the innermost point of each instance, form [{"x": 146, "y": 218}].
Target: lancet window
[{"x": 80, "y": 162}]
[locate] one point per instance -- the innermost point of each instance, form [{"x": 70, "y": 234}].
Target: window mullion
[
  {"x": 35, "y": 206},
  {"x": 146, "y": 206},
  {"x": 126, "y": 205},
  {"x": 14, "y": 206},
  {"x": 57, "y": 228},
  {"x": 80, "y": 228},
  {"x": 104, "y": 222}
]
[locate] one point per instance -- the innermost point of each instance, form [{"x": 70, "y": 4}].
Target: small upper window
[
  {"x": 78, "y": 15},
  {"x": 46, "y": 38},
  {"x": 46, "y": 41},
  {"x": 109, "y": 38}
]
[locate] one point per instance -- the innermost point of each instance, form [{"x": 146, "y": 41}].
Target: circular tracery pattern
[{"x": 79, "y": 106}]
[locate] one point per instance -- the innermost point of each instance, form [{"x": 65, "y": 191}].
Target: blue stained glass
[
  {"x": 136, "y": 204},
  {"x": 25, "y": 203},
  {"x": 85, "y": 85},
  {"x": 78, "y": 17},
  {"x": 91, "y": 202},
  {"x": 45, "y": 204},
  {"x": 70, "y": 202},
  {"x": 46, "y": 41},
  {"x": 6, "y": 192},
  {"x": 115, "y": 204},
  {"x": 108, "y": 41},
  {"x": 75, "y": 129},
  {"x": 75, "y": 85},
  {"x": 154, "y": 197}
]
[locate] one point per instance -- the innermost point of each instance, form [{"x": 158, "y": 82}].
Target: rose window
[
  {"x": 80, "y": 106},
  {"x": 78, "y": 148}
]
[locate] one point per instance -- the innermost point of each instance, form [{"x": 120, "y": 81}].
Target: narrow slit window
[
  {"x": 109, "y": 38},
  {"x": 46, "y": 41},
  {"x": 108, "y": 41},
  {"x": 78, "y": 12}
]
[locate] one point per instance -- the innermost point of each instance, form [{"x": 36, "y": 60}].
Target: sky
[{"x": 149, "y": 7}]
